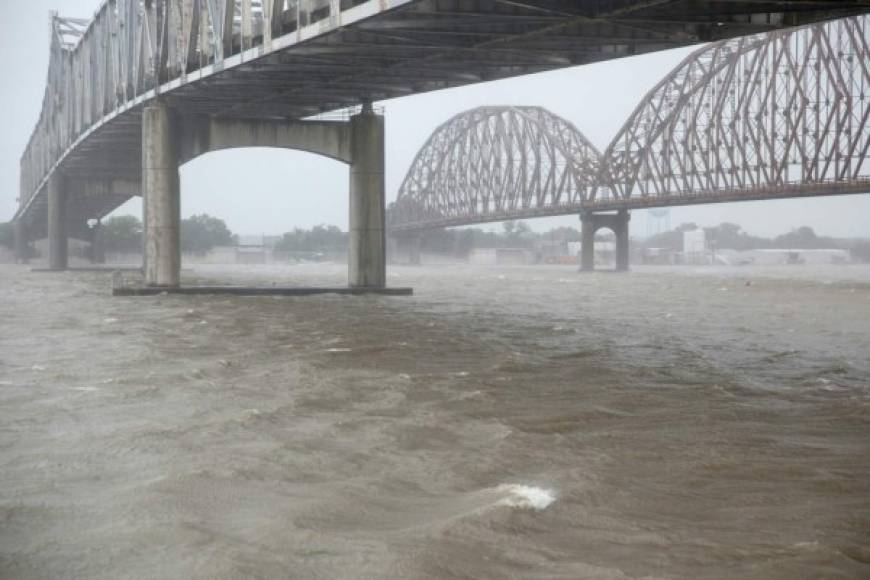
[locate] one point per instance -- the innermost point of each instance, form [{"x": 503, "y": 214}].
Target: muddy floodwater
[{"x": 526, "y": 422}]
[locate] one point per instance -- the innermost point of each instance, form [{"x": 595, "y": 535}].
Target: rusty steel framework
[
  {"x": 782, "y": 114},
  {"x": 496, "y": 161},
  {"x": 752, "y": 116}
]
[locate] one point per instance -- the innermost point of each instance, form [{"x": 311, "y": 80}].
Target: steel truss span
[
  {"x": 782, "y": 114},
  {"x": 754, "y": 114},
  {"x": 493, "y": 161}
]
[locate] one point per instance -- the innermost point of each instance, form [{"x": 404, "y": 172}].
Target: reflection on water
[{"x": 502, "y": 423}]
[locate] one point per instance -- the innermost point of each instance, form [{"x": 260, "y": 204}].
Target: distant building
[
  {"x": 501, "y": 256},
  {"x": 658, "y": 256},
  {"x": 784, "y": 256}
]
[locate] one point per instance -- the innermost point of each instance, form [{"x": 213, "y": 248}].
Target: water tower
[{"x": 658, "y": 220}]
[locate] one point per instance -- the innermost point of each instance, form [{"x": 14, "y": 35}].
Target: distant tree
[
  {"x": 441, "y": 241},
  {"x": 731, "y": 236},
  {"x": 327, "y": 238},
  {"x": 563, "y": 234},
  {"x": 7, "y": 235},
  {"x": 201, "y": 233},
  {"x": 121, "y": 234},
  {"x": 687, "y": 227},
  {"x": 517, "y": 233},
  {"x": 321, "y": 238},
  {"x": 463, "y": 242},
  {"x": 805, "y": 238}
]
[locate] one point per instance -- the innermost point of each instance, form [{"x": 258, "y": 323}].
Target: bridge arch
[
  {"x": 771, "y": 115},
  {"x": 166, "y": 144},
  {"x": 201, "y": 135},
  {"x": 275, "y": 187},
  {"x": 775, "y": 115},
  {"x": 495, "y": 163}
]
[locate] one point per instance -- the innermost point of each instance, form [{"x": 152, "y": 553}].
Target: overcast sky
[{"x": 272, "y": 191}]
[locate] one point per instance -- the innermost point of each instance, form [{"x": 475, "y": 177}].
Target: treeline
[
  {"x": 732, "y": 236},
  {"x": 320, "y": 238},
  {"x": 123, "y": 234},
  {"x": 201, "y": 233}
]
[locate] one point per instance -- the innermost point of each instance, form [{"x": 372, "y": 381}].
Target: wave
[{"x": 525, "y": 496}]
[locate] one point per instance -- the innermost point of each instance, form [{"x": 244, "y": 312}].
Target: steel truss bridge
[
  {"x": 147, "y": 85},
  {"x": 269, "y": 59},
  {"x": 775, "y": 115}
]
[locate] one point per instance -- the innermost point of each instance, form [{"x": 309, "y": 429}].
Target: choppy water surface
[{"x": 502, "y": 423}]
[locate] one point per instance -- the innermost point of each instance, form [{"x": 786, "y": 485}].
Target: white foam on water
[
  {"x": 86, "y": 389},
  {"x": 339, "y": 350},
  {"x": 110, "y": 320},
  {"x": 526, "y": 496}
]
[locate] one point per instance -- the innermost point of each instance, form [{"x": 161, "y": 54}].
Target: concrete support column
[
  {"x": 161, "y": 196},
  {"x": 622, "y": 244},
  {"x": 618, "y": 223},
  {"x": 408, "y": 248},
  {"x": 22, "y": 251},
  {"x": 98, "y": 255},
  {"x": 587, "y": 242},
  {"x": 414, "y": 250},
  {"x": 367, "y": 242},
  {"x": 57, "y": 237}
]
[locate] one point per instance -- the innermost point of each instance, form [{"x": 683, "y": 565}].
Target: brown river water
[{"x": 526, "y": 422}]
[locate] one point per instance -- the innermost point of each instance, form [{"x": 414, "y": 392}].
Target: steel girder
[{"x": 776, "y": 115}]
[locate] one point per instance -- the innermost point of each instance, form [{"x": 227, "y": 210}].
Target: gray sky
[{"x": 272, "y": 191}]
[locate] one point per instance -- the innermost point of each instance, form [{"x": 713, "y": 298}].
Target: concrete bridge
[
  {"x": 776, "y": 115},
  {"x": 147, "y": 85}
]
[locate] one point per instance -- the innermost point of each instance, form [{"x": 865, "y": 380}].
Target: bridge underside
[{"x": 420, "y": 45}]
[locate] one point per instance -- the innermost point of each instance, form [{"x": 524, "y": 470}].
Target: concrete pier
[
  {"x": 97, "y": 251},
  {"x": 618, "y": 224},
  {"x": 407, "y": 248},
  {"x": 57, "y": 233},
  {"x": 161, "y": 197},
  {"x": 165, "y": 145},
  {"x": 367, "y": 236},
  {"x": 622, "y": 240},
  {"x": 587, "y": 242},
  {"x": 414, "y": 245},
  {"x": 22, "y": 251}
]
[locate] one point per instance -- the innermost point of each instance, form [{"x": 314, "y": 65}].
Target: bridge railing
[{"x": 132, "y": 47}]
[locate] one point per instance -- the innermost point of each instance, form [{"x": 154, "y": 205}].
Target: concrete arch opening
[
  {"x": 261, "y": 193},
  {"x": 617, "y": 223},
  {"x": 170, "y": 140}
]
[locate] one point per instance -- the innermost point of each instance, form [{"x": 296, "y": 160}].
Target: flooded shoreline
[{"x": 525, "y": 422}]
